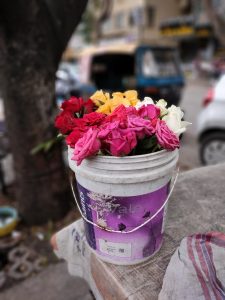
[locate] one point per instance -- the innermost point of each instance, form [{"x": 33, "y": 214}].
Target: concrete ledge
[{"x": 197, "y": 205}]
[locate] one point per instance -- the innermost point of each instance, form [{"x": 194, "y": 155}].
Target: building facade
[
  {"x": 137, "y": 20},
  {"x": 183, "y": 22},
  {"x": 192, "y": 31}
]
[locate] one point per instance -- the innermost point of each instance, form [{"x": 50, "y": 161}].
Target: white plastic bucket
[{"x": 123, "y": 203}]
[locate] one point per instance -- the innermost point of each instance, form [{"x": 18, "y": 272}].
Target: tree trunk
[
  {"x": 41, "y": 181},
  {"x": 31, "y": 54}
]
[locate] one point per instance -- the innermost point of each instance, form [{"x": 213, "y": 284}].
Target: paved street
[
  {"x": 191, "y": 104},
  {"x": 54, "y": 283}
]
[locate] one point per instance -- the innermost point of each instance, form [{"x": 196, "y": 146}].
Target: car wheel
[{"x": 212, "y": 148}]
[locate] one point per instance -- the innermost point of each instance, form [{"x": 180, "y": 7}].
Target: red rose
[
  {"x": 74, "y": 136},
  {"x": 93, "y": 118},
  {"x": 89, "y": 106},
  {"x": 79, "y": 123},
  {"x": 73, "y": 105},
  {"x": 65, "y": 122},
  {"x": 78, "y": 131},
  {"x": 120, "y": 115}
]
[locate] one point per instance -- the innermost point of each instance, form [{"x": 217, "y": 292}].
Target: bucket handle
[{"x": 76, "y": 196}]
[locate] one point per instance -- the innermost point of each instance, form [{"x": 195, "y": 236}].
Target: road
[{"x": 191, "y": 102}]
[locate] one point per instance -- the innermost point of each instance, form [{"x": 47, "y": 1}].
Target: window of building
[
  {"x": 107, "y": 25},
  {"x": 120, "y": 20},
  {"x": 198, "y": 7},
  {"x": 131, "y": 19},
  {"x": 186, "y": 6},
  {"x": 137, "y": 16},
  {"x": 150, "y": 16}
]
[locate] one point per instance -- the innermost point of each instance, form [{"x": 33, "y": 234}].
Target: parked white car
[{"x": 211, "y": 125}]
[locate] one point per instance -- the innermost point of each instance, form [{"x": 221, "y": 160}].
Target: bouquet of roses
[{"x": 119, "y": 125}]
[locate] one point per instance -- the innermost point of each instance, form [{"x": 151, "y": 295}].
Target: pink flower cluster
[{"x": 119, "y": 133}]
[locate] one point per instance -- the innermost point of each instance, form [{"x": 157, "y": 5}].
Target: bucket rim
[{"x": 127, "y": 157}]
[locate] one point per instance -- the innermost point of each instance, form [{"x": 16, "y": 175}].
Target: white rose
[
  {"x": 145, "y": 102},
  {"x": 162, "y": 104},
  {"x": 173, "y": 120}
]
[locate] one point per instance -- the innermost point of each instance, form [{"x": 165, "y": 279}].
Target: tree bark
[{"x": 34, "y": 34}]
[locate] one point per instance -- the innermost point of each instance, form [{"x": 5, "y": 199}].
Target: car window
[{"x": 159, "y": 62}]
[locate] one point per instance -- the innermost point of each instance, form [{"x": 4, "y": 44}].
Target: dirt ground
[{"x": 36, "y": 239}]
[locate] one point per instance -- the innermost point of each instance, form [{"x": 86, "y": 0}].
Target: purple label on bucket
[{"x": 124, "y": 214}]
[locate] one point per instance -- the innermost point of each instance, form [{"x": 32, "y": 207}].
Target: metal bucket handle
[{"x": 76, "y": 196}]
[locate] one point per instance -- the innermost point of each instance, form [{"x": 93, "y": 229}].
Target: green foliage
[
  {"x": 47, "y": 146},
  {"x": 147, "y": 145}
]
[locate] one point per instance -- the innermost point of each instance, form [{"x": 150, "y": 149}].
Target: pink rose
[
  {"x": 131, "y": 110},
  {"x": 87, "y": 146},
  {"x": 149, "y": 111},
  {"x": 120, "y": 142},
  {"x": 166, "y": 138},
  {"x": 140, "y": 126},
  {"x": 107, "y": 128}
]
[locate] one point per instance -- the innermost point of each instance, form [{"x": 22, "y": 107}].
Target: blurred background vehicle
[
  {"x": 219, "y": 66},
  {"x": 212, "y": 68},
  {"x": 153, "y": 70},
  {"x": 211, "y": 125},
  {"x": 68, "y": 83}
]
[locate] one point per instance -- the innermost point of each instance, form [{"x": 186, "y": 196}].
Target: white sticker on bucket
[{"x": 115, "y": 249}]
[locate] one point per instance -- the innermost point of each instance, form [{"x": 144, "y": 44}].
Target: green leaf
[
  {"x": 48, "y": 145},
  {"x": 149, "y": 143},
  {"x": 60, "y": 136},
  {"x": 38, "y": 148}
]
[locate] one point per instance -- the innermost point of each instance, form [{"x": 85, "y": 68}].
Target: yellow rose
[
  {"x": 117, "y": 95},
  {"x": 131, "y": 94},
  {"x": 115, "y": 102},
  {"x": 99, "y": 98},
  {"x": 107, "y": 105},
  {"x": 121, "y": 98},
  {"x": 134, "y": 102},
  {"x": 132, "y": 97},
  {"x": 105, "y": 108}
]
